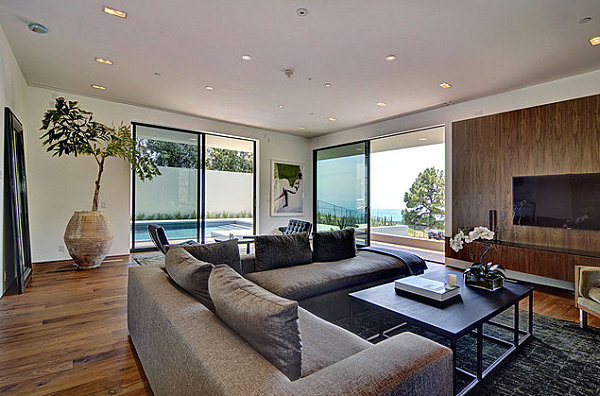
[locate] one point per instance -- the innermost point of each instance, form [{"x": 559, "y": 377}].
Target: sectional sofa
[{"x": 186, "y": 349}]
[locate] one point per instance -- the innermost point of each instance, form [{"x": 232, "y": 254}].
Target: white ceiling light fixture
[
  {"x": 327, "y": 85},
  {"x": 246, "y": 57},
  {"x": 281, "y": 106},
  {"x": 445, "y": 85},
  {"x": 104, "y": 61},
  {"x": 302, "y": 12},
  {"x": 100, "y": 87},
  {"x": 37, "y": 28},
  {"x": 332, "y": 119},
  {"x": 390, "y": 58},
  {"x": 423, "y": 139},
  {"x": 595, "y": 40},
  {"x": 302, "y": 128},
  {"x": 208, "y": 88},
  {"x": 115, "y": 12},
  {"x": 381, "y": 104}
]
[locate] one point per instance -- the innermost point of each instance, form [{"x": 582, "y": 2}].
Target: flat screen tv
[{"x": 561, "y": 201}]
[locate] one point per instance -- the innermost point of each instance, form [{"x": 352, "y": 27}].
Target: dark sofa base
[{"x": 335, "y": 305}]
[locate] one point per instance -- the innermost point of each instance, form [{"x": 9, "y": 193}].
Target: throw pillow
[
  {"x": 267, "y": 322},
  {"x": 226, "y": 252},
  {"x": 334, "y": 245},
  {"x": 276, "y": 251},
  {"x": 190, "y": 274}
]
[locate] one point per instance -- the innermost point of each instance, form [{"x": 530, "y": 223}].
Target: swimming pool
[{"x": 186, "y": 229}]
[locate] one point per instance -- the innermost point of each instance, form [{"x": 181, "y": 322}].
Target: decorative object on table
[
  {"x": 483, "y": 275},
  {"x": 71, "y": 130},
  {"x": 427, "y": 290},
  {"x": 17, "y": 247},
  {"x": 287, "y": 188}
]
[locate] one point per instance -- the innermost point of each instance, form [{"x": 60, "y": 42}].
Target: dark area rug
[{"x": 560, "y": 359}]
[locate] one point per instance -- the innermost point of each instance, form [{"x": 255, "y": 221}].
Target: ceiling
[{"x": 480, "y": 47}]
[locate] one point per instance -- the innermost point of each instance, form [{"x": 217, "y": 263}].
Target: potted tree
[{"x": 71, "y": 130}]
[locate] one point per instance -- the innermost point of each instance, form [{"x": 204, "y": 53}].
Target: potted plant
[
  {"x": 71, "y": 130},
  {"x": 481, "y": 274}
]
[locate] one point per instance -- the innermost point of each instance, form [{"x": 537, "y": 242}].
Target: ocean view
[{"x": 394, "y": 214}]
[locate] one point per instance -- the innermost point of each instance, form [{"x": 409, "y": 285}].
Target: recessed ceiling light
[
  {"x": 595, "y": 40},
  {"x": 208, "y": 88},
  {"x": 193, "y": 139},
  {"x": 246, "y": 57},
  {"x": 423, "y": 139},
  {"x": 112, "y": 11},
  {"x": 327, "y": 85},
  {"x": 302, "y": 12},
  {"x": 585, "y": 20},
  {"x": 105, "y": 61},
  {"x": 332, "y": 119},
  {"x": 100, "y": 87},
  {"x": 446, "y": 85},
  {"x": 37, "y": 28},
  {"x": 301, "y": 128},
  {"x": 281, "y": 106},
  {"x": 390, "y": 57},
  {"x": 156, "y": 74},
  {"x": 381, "y": 104}
]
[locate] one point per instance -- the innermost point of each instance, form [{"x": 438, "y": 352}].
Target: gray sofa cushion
[
  {"x": 303, "y": 281},
  {"x": 190, "y": 274},
  {"x": 334, "y": 245},
  {"x": 324, "y": 343},
  {"x": 226, "y": 252},
  {"x": 267, "y": 322},
  {"x": 276, "y": 251}
]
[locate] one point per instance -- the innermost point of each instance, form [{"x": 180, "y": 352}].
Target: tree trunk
[{"x": 97, "y": 185}]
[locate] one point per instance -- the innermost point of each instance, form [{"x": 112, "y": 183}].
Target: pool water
[{"x": 186, "y": 229}]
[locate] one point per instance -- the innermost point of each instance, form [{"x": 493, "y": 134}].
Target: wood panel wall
[{"x": 488, "y": 151}]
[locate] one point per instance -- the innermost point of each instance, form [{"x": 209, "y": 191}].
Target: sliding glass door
[
  {"x": 205, "y": 190},
  {"x": 342, "y": 189},
  {"x": 229, "y": 177},
  {"x": 171, "y": 200}
]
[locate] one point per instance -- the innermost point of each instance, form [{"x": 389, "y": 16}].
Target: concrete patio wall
[{"x": 176, "y": 190}]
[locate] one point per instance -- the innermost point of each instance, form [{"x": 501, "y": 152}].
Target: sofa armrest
[
  {"x": 406, "y": 364},
  {"x": 248, "y": 263},
  {"x": 586, "y": 277}
]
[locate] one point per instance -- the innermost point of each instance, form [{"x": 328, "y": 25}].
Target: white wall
[
  {"x": 176, "y": 190},
  {"x": 13, "y": 94},
  {"x": 58, "y": 186},
  {"x": 554, "y": 91}
]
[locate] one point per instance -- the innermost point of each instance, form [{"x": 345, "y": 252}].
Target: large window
[
  {"x": 389, "y": 189},
  {"x": 407, "y": 185},
  {"x": 341, "y": 194},
  {"x": 205, "y": 190}
]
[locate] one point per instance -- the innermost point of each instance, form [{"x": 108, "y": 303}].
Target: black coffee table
[{"x": 456, "y": 320}]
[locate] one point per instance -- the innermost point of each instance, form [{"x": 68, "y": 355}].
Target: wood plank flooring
[{"x": 67, "y": 334}]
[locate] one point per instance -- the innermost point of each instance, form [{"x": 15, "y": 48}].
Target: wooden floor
[{"x": 67, "y": 334}]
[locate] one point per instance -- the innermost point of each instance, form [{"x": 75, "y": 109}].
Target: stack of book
[{"x": 427, "y": 290}]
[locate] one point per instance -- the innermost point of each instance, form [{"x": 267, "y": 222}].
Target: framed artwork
[{"x": 287, "y": 188}]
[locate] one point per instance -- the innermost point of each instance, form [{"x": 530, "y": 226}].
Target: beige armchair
[{"x": 587, "y": 292}]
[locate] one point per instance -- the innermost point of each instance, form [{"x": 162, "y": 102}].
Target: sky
[{"x": 393, "y": 172}]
